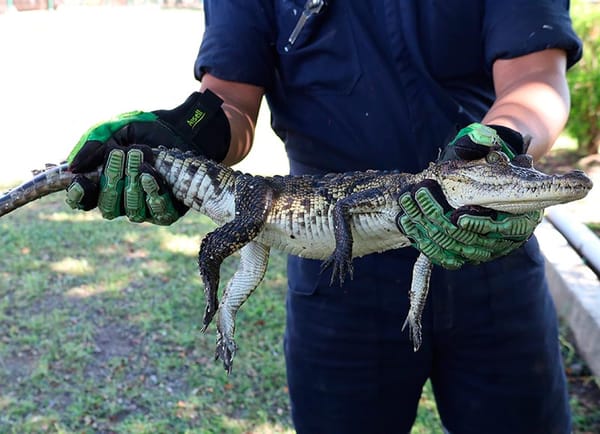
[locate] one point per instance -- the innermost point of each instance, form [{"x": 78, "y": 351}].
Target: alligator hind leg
[
  {"x": 254, "y": 258},
  {"x": 252, "y": 203},
  {"x": 215, "y": 247}
]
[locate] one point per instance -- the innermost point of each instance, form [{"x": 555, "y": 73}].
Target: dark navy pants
[{"x": 490, "y": 348}]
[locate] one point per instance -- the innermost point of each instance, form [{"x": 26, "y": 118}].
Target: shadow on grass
[{"x": 100, "y": 331}]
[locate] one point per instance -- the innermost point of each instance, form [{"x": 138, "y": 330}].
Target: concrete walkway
[{"x": 576, "y": 292}]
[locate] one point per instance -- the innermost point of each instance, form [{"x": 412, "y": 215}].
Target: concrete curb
[{"x": 576, "y": 292}]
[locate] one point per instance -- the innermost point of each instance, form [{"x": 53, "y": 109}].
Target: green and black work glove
[
  {"x": 454, "y": 237},
  {"x": 127, "y": 185}
]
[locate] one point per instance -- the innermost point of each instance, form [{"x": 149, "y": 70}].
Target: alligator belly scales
[{"x": 334, "y": 218}]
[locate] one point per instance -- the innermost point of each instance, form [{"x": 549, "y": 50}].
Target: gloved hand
[
  {"x": 452, "y": 238},
  {"x": 129, "y": 187}
]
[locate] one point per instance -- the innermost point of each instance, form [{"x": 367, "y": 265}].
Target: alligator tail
[{"x": 53, "y": 179}]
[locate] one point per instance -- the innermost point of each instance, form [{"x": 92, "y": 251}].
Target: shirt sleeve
[
  {"x": 513, "y": 28},
  {"x": 238, "y": 42}
]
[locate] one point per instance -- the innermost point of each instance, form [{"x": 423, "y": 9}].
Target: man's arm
[
  {"x": 532, "y": 97},
  {"x": 241, "y": 103}
]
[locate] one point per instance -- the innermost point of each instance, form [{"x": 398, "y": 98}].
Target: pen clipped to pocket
[{"x": 311, "y": 9}]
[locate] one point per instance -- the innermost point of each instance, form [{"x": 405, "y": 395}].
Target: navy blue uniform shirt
[
  {"x": 382, "y": 84},
  {"x": 375, "y": 84}
]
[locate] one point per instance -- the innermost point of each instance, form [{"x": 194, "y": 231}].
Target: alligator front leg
[
  {"x": 254, "y": 258},
  {"x": 367, "y": 201},
  {"x": 418, "y": 295},
  {"x": 253, "y": 200}
]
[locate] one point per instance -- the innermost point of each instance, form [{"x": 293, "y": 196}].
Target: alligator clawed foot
[
  {"x": 414, "y": 325},
  {"x": 209, "y": 313},
  {"x": 225, "y": 351},
  {"x": 340, "y": 268}
]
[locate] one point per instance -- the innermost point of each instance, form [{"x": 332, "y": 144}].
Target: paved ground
[{"x": 66, "y": 70}]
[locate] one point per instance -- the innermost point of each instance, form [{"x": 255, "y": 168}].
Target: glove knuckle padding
[
  {"x": 135, "y": 208},
  {"x": 112, "y": 185},
  {"x": 427, "y": 204},
  {"x": 452, "y": 263},
  {"x": 509, "y": 226},
  {"x": 428, "y": 248},
  {"x": 444, "y": 240},
  {"x": 161, "y": 207},
  {"x": 476, "y": 224},
  {"x": 409, "y": 228},
  {"x": 82, "y": 193},
  {"x": 516, "y": 226},
  {"x": 155, "y": 202},
  {"x": 75, "y": 194},
  {"x": 475, "y": 253},
  {"x": 409, "y": 206},
  {"x": 464, "y": 236}
]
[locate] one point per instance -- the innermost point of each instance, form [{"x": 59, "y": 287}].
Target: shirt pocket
[
  {"x": 304, "y": 275},
  {"x": 323, "y": 58}
]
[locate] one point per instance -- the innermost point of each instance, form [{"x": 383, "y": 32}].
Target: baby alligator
[{"x": 334, "y": 218}]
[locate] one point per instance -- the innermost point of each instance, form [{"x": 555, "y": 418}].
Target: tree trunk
[{"x": 594, "y": 144}]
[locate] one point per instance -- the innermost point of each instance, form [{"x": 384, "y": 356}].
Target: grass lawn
[{"x": 100, "y": 332}]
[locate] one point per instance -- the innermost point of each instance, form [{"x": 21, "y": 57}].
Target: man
[{"x": 380, "y": 85}]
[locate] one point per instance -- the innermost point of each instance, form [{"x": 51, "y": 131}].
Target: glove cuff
[
  {"x": 201, "y": 122},
  {"x": 475, "y": 141},
  {"x": 513, "y": 140}
]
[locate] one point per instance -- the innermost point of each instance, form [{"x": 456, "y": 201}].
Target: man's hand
[
  {"x": 452, "y": 238},
  {"x": 475, "y": 141},
  {"x": 128, "y": 186},
  {"x": 123, "y": 146}
]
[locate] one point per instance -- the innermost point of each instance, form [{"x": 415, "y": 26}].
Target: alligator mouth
[
  {"x": 519, "y": 206},
  {"x": 518, "y": 197},
  {"x": 530, "y": 198}
]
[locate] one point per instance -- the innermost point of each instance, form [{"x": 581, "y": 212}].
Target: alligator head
[{"x": 502, "y": 185}]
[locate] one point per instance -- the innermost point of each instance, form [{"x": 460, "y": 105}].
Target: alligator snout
[{"x": 581, "y": 177}]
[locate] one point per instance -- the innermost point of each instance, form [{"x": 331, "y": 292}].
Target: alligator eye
[
  {"x": 523, "y": 160},
  {"x": 495, "y": 157}
]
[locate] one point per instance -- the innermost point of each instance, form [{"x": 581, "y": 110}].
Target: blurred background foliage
[{"x": 584, "y": 78}]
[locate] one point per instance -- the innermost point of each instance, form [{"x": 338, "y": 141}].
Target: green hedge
[{"x": 584, "y": 79}]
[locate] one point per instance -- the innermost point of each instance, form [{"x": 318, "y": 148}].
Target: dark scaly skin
[
  {"x": 334, "y": 217},
  {"x": 54, "y": 178},
  {"x": 291, "y": 204}
]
